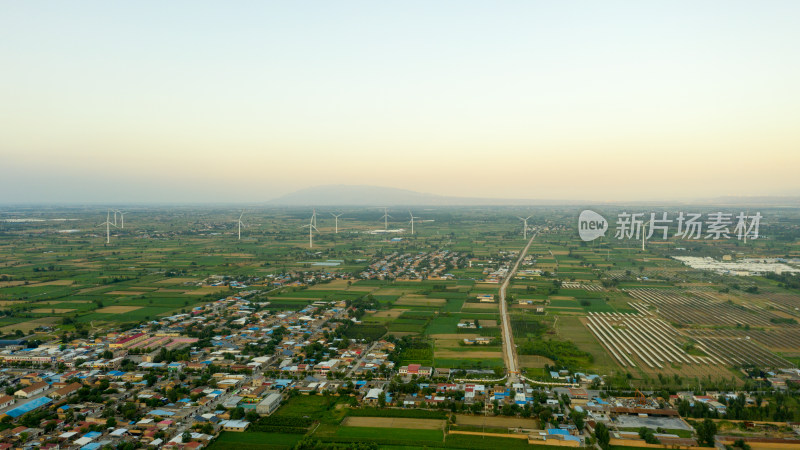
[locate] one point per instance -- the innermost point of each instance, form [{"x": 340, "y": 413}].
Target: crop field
[
  {"x": 496, "y": 422},
  {"x": 534, "y": 361},
  {"x": 407, "y": 435},
  {"x": 312, "y": 407},
  {"x": 394, "y": 422},
  {"x": 160, "y": 263},
  {"x": 228, "y": 440},
  {"x": 603, "y": 307}
]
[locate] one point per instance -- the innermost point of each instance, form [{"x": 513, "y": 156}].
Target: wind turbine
[
  {"x": 385, "y": 218},
  {"x": 525, "y": 226},
  {"x": 240, "y": 225},
  {"x": 314, "y": 217},
  {"x": 336, "y": 218},
  {"x": 412, "y": 221},
  {"x": 745, "y": 226},
  {"x": 121, "y": 218},
  {"x": 311, "y": 227},
  {"x": 108, "y": 224},
  {"x": 644, "y": 229}
]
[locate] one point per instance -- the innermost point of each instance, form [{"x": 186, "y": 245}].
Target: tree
[
  {"x": 577, "y": 419},
  {"x": 186, "y": 437},
  {"x": 648, "y": 435},
  {"x": 601, "y": 435},
  {"x": 252, "y": 416},
  {"x": 307, "y": 443},
  {"x": 706, "y": 430},
  {"x": 237, "y": 413},
  {"x": 111, "y": 422}
]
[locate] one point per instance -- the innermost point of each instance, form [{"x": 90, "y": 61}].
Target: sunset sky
[{"x": 244, "y": 101}]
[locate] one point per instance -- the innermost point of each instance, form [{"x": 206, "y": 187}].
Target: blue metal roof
[{"x": 28, "y": 407}]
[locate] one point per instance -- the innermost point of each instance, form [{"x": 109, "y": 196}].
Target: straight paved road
[{"x": 509, "y": 349}]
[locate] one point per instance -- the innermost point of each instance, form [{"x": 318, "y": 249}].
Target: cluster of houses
[
  {"x": 294, "y": 278},
  {"x": 415, "y": 266},
  {"x": 163, "y": 371},
  {"x": 170, "y": 383}
]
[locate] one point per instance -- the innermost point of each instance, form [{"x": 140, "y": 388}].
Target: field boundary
[{"x": 480, "y": 433}]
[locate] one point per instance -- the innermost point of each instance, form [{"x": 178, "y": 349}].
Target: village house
[
  {"x": 33, "y": 389},
  {"x": 65, "y": 391}
]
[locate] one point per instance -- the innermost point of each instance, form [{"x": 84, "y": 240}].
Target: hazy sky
[{"x": 244, "y": 101}]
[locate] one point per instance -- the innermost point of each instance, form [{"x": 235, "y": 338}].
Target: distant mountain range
[{"x": 354, "y": 195}]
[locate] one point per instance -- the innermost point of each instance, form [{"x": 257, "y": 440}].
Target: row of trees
[{"x": 706, "y": 430}]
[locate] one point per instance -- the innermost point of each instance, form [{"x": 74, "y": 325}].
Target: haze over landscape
[
  {"x": 583, "y": 101},
  {"x": 361, "y": 225}
]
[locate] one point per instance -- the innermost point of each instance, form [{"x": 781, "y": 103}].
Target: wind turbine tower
[
  {"x": 644, "y": 229},
  {"x": 239, "y": 222},
  {"x": 386, "y": 218},
  {"x": 412, "y": 221},
  {"x": 745, "y": 226},
  {"x": 108, "y": 224},
  {"x": 311, "y": 227},
  {"x": 121, "y": 218},
  {"x": 525, "y": 226},
  {"x": 336, "y": 219}
]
